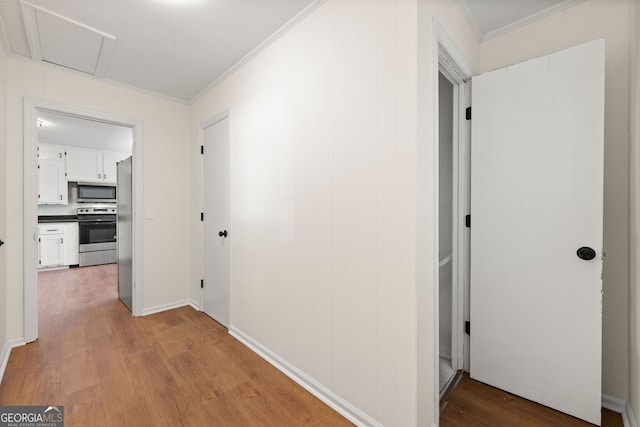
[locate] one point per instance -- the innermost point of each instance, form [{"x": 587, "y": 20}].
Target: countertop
[{"x": 57, "y": 218}]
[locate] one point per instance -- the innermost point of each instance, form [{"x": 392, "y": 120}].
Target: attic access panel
[{"x": 64, "y": 42}]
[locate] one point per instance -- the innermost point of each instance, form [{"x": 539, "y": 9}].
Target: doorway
[
  {"x": 453, "y": 234},
  {"x": 451, "y": 205},
  {"x": 36, "y": 113},
  {"x": 445, "y": 230}
]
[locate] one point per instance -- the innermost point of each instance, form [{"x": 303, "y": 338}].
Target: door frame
[
  {"x": 454, "y": 66},
  {"x": 224, "y": 114},
  {"x": 30, "y": 204}
]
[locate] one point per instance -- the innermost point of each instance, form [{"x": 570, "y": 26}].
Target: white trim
[
  {"x": 627, "y": 416},
  {"x": 613, "y": 403},
  {"x": 299, "y": 17},
  {"x": 449, "y": 51},
  {"x": 466, "y": 12},
  {"x": 329, "y": 397},
  {"x": 105, "y": 55},
  {"x": 6, "y": 352},
  {"x": 529, "y": 19},
  {"x": 170, "y": 306},
  {"x": 31, "y": 30},
  {"x": 622, "y": 407},
  {"x": 30, "y": 203}
]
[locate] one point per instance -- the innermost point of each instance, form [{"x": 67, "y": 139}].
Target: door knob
[
  {"x": 222, "y": 233},
  {"x": 586, "y": 253}
]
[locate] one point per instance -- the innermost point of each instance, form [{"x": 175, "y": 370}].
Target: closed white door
[
  {"x": 536, "y": 229},
  {"x": 217, "y": 233}
]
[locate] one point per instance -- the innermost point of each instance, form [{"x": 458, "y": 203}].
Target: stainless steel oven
[{"x": 97, "y": 227}]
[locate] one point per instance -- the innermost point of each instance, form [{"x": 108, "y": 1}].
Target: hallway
[{"x": 178, "y": 367}]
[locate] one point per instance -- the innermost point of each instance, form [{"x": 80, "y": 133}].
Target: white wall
[
  {"x": 589, "y": 20},
  {"x": 323, "y": 221},
  {"x": 324, "y": 170},
  {"x": 634, "y": 300},
  {"x": 166, "y": 176},
  {"x": 3, "y": 202}
]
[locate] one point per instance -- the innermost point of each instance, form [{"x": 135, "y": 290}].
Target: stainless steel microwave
[{"x": 96, "y": 193}]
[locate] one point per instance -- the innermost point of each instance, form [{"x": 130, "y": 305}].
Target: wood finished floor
[
  {"x": 475, "y": 404},
  {"x": 176, "y": 368}
]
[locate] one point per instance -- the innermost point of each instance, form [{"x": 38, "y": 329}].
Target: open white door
[
  {"x": 536, "y": 200},
  {"x": 216, "y": 232}
]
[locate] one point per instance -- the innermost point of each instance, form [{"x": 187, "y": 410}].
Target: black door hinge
[
  {"x": 467, "y": 327},
  {"x": 201, "y": 216},
  {"x": 467, "y": 113},
  {"x": 1, "y": 243},
  {"x": 201, "y": 283},
  {"x": 467, "y": 221},
  {"x": 202, "y": 149}
]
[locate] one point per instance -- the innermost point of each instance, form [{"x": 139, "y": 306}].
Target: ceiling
[
  {"x": 171, "y": 47},
  {"x": 491, "y": 18},
  {"x": 178, "y": 48},
  {"x": 61, "y": 129}
]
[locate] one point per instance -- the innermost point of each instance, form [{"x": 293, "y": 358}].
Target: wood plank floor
[
  {"x": 176, "y": 368},
  {"x": 475, "y": 404}
]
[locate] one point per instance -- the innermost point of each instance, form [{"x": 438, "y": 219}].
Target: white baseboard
[
  {"x": 627, "y": 416},
  {"x": 622, "y": 407},
  {"x": 336, "y": 402},
  {"x": 6, "y": 352},
  {"x": 613, "y": 403},
  {"x": 170, "y": 306}
]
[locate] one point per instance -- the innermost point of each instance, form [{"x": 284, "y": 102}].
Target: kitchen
[{"x": 77, "y": 190}]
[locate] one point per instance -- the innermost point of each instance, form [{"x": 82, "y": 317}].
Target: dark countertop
[{"x": 57, "y": 218}]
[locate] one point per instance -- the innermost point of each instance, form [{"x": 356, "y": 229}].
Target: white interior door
[
  {"x": 216, "y": 227},
  {"x": 536, "y": 198}
]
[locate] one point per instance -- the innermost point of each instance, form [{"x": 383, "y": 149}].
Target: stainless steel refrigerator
[{"x": 124, "y": 196}]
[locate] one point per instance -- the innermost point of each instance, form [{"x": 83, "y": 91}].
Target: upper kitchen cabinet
[
  {"x": 87, "y": 165},
  {"x": 52, "y": 182},
  {"x": 110, "y": 161}
]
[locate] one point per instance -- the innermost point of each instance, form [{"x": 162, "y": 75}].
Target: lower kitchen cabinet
[{"x": 58, "y": 244}]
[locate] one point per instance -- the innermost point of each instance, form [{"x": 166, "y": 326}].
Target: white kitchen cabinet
[
  {"x": 58, "y": 244},
  {"x": 87, "y": 165},
  {"x": 52, "y": 182},
  {"x": 84, "y": 165},
  {"x": 110, "y": 161},
  {"x": 51, "y": 248}
]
